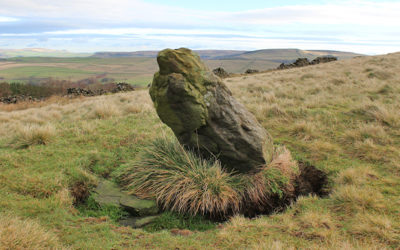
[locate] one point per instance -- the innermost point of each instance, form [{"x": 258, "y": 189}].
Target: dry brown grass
[
  {"x": 358, "y": 198},
  {"x": 376, "y": 225},
  {"x": 30, "y": 135},
  {"x": 14, "y": 119},
  {"x": 104, "y": 110},
  {"x": 16, "y": 233},
  {"x": 356, "y": 176},
  {"x": 183, "y": 182}
]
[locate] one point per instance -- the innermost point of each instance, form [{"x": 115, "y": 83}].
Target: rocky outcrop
[
  {"x": 19, "y": 98},
  {"x": 323, "y": 59},
  {"x": 220, "y": 72},
  {"x": 107, "y": 193},
  {"x": 301, "y": 62},
  {"x": 204, "y": 115},
  {"x": 119, "y": 87},
  {"x": 251, "y": 71},
  {"x": 123, "y": 87},
  {"x": 71, "y": 92}
]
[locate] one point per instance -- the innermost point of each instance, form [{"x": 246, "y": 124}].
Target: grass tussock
[
  {"x": 356, "y": 176},
  {"x": 379, "y": 226},
  {"x": 105, "y": 110},
  {"x": 30, "y": 135},
  {"x": 16, "y": 233},
  {"x": 351, "y": 197},
  {"x": 183, "y": 182},
  {"x": 271, "y": 184}
]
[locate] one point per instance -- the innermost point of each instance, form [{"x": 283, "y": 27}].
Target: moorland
[
  {"x": 134, "y": 67},
  {"x": 341, "y": 117}
]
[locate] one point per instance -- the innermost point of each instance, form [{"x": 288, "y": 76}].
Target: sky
[{"x": 362, "y": 26}]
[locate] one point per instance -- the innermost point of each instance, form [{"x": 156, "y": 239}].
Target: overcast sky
[{"x": 370, "y": 27}]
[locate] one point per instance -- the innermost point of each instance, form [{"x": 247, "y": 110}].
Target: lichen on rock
[{"x": 204, "y": 115}]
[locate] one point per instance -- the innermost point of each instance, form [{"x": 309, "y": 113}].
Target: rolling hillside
[
  {"x": 341, "y": 117},
  {"x": 138, "y": 67}
]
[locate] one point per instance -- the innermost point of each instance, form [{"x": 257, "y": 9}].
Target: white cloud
[
  {"x": 356, "y": 25},
  {"x": 112, "y": 11},
  {"x": 335, "y": 13},
  {"x": 7, "y": 19}
]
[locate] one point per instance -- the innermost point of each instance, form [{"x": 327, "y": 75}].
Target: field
[
  {"x": 139, "y": 67},
  {"x": 342, "y": 117},
  {"x": 132, "y": 70}
]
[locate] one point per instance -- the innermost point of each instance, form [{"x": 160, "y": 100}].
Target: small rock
[
  {"x": 108, "y": 193},
  {"x": 137, "y": 222},
  {"x": 138, "y": 207}
]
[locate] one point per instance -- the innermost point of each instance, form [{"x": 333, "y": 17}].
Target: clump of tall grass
[
  {"x": 105, "y": 110},
  {"x": 184, "y": 182},
  {"x": 30, "y": 135},
  {"x": 17, "y": 233}
]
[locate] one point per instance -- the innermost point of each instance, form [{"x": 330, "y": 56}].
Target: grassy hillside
[
  {"x": 341, "y": 117},
  {"x": 204, "y": 54},
  {"x": 286, "y": 55},
  {"x": 132, "y": 70},
  {"x": 139, "y": 67}
]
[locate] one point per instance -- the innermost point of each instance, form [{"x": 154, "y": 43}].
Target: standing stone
[{"x": 203, "y": 114}]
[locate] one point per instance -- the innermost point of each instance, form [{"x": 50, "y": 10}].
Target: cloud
[
  {"x": 361, "y": 26},
  {"x": 4, "y": 19},
  {"x": 336, "y": 13}
]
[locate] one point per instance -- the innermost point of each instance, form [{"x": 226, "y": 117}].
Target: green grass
[
  {"x": 359, "y": 151},
  {"x": 92, "y": 209},
  {"x": 43, "y": 72},
  {"x": 170, "y": 220},
  {"x": 132, "y": 70}
]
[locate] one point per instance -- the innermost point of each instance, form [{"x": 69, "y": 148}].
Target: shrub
[
  {"x": 183, "y": 182},
  {"x": 5, "y": 89},
  {"x": 33, "y": 135}
]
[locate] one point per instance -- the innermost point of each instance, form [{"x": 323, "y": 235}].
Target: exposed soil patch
[
  {"x": 310, "y": 181},
  {"x": 80, "y": 192}
]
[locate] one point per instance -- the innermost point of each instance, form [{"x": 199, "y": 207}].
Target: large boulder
[{"x": 203, "y": 114}]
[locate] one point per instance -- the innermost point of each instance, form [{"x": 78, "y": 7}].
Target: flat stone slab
[
  {"x": 137, "y": 222},
  {"x": 108, "y": 193}
]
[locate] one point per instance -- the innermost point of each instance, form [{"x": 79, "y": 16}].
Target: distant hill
[
  {"x": 265, "y": 54},
  {"x": 204, "y": 54},
  {"x": 285, "y": 55},
  {"x": 31, "y": 65},
  {"x": 237, "y": 61},
  {"x": 39, "y": 52}
]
